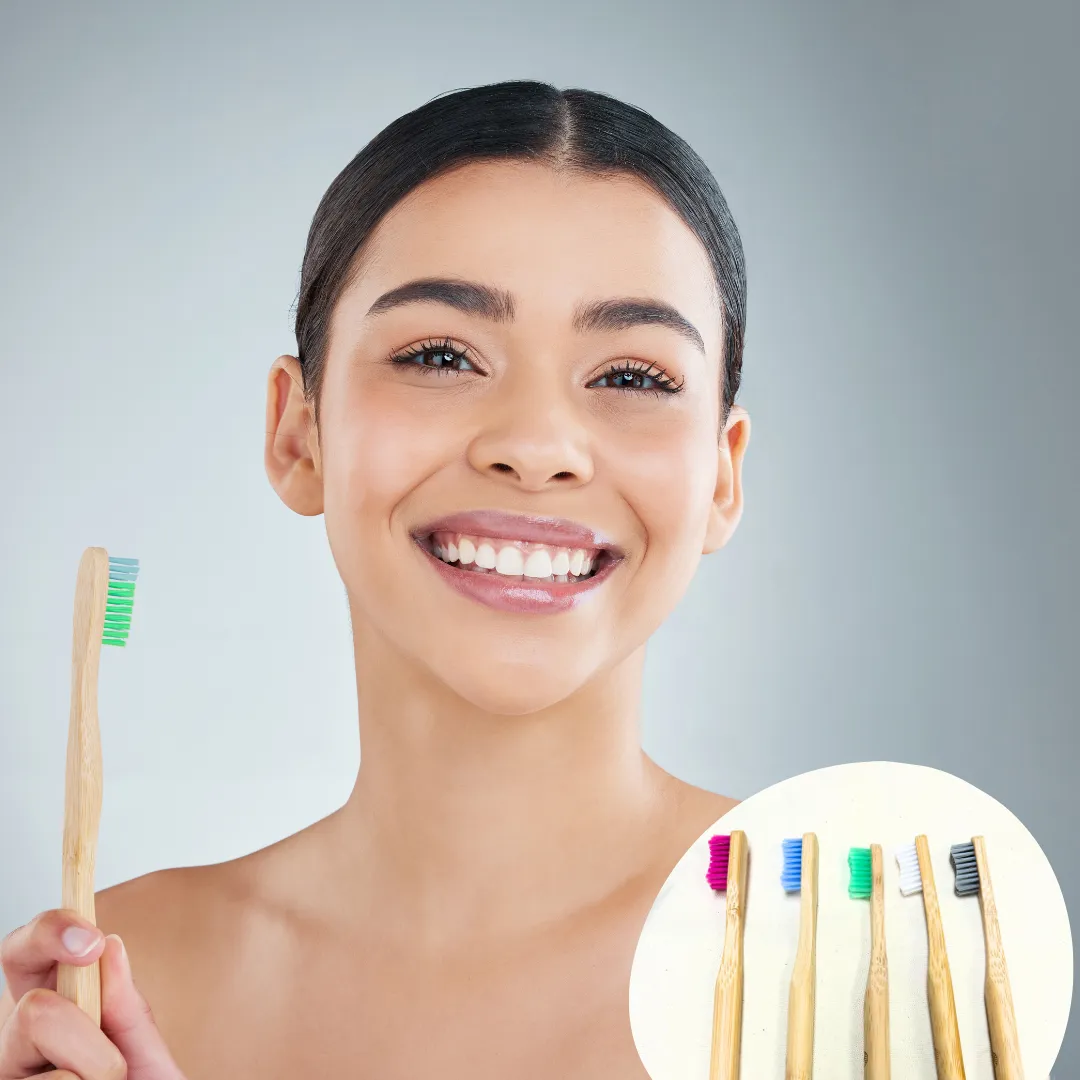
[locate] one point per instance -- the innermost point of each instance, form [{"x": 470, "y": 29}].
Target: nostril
[
  {"x": 563, "y": 476},
  {"x": 500, "y": 466}
]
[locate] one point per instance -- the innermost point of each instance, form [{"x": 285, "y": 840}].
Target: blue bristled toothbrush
[{"x": 800, "y": 874}]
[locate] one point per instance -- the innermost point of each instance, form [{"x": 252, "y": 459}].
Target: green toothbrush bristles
[
  {"x": 858, "y": 861},
  {"x": 119, "y": 600}
]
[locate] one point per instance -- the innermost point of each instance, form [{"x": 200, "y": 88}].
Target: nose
[{"x": 534, "y": 441}]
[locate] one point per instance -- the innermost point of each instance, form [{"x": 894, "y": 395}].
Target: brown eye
[
  {"x": 637, "y": 377},
  {"x": 439, "y": 357},
  {"x": 631, "y": 380}
]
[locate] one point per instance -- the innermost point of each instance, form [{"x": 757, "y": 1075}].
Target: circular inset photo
[{"x": 873, "y": 921}]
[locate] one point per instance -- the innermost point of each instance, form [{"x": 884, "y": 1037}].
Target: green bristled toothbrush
[{"x": 104, "y": 595}]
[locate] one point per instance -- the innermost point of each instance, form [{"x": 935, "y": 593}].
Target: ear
[
  {"x": 293, "y": 462},
  {"x": 728, "y": 497}
]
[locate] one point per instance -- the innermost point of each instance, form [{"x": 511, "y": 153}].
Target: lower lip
[{"x": 520, "y": 595}]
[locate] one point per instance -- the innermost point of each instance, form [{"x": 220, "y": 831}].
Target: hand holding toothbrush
[{"x": 40, "y": 1029}]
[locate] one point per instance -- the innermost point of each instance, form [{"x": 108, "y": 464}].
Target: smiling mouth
[{"x": 519, "y": 561}]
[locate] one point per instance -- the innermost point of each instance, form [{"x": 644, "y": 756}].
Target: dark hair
[{"x": 519, "y": 120}]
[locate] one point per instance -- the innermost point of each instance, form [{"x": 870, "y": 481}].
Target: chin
[{"x": 501, "y": 689}]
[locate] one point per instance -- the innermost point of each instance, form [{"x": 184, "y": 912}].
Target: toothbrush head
[
  {"x": 791, "y": 875},
  {"x": 861, "y": 883},
  {"x": 962, "y": 856},
  {"x": 719, "y": 854},
  {"x": 907, "y": 858},
  {"x": 119, "y": 600}
]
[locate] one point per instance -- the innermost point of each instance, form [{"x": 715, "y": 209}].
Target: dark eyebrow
[
  {"x": 498, "y": 305},
  {"x": 467, "y": 296},
  {"x": 618, "y": 314}
]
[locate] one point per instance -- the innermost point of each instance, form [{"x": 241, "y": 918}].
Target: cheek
[
  {"x": 377, "y": 450},
  {"x": 669, "y": 479}
]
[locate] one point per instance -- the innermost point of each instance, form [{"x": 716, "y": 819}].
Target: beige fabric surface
[{"x": 674, "y": 971}]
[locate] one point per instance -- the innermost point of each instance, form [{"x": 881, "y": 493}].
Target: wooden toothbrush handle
[
  {"x": 82, "y": 785},
  {"x": 877, "y": 1061},
  {"x": 800, "y": 1044},
  {"x": 948, "y": 1054},
  {"x": 1004, "y": 1043},
  {"x": 946, "y": 1032},
  {"x": 876, "y": 1050},
  {"x": 728, "y": 1000}
]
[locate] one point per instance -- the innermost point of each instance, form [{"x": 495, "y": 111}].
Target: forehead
[{"x": 551, "y": 237}]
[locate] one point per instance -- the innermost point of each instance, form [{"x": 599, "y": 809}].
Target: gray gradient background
[{"x": 904, "y": 581}]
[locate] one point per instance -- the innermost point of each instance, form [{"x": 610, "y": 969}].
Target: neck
[{"x": 468, "y": 822}]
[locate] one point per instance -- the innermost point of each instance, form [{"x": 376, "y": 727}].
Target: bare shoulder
[
  {"x": 155, "y": 908},
  {"x": 691, "y": 810},
  {"x": 171, "y": 911},
  {"x": 164, "y": 916},
  {"x": 181, "y": 927},
  {"x": 681, "y": 813},
  {"x": 706, "y": 806}
]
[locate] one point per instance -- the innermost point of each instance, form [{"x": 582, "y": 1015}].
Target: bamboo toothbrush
[
  {"x": 973, "y": 876},
  {"x": 917, "y": 875},
  {"x": 868, "y": 882},
  {"x": 104, "y": 593},
  {"x": 728, "y": 865},
  {"x": 800, "y": 874}
]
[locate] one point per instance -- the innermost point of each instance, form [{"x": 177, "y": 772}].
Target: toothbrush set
[{"x": 728, "y": 873}]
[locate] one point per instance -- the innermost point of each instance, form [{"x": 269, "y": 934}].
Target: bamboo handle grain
[
  {"x": 728, "y": 1000},
  {"x": 939, "y": 988},
  {"x": 876, "y": 1052},
  {"x": 800, "y": 1039},
  {"x": 1004, "y": 1043},
  {"x": 82, "y": 786}
]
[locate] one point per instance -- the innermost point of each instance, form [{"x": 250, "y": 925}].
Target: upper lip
[{"x": 528, "y": 528}]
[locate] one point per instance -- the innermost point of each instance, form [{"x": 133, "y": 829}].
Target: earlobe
[
  {"x": 291, "y": 452},
  {"x": 727, "y": 506}
]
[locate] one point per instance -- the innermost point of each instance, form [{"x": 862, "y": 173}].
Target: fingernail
[
  {"x": 125, "y": 963},
  {"x": 123, "y": 948},
  {"x": 78, "y": 940}
]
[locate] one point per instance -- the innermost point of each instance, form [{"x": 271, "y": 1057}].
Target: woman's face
[{"x": 519, "y": 462}]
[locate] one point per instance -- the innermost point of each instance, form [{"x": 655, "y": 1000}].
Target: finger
[
  {"x": 46, "y": 1029},
  {"x": 128, "y": 1021},
  {"x": 30, "y": 953}
]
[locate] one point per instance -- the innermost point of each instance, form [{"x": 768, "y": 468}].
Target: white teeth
[
  {"x": 538, "y": 565},
  {"x": 514, "y": 560},
  {"x": 510, "y": 562}
]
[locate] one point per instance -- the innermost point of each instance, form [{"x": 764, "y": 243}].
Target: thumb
[{"x": 127, "y": 1020}]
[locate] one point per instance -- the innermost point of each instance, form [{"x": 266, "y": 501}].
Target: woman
[{"x": 519, "y": 333}]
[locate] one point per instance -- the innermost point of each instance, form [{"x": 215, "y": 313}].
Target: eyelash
[
  {"x": 444, "y": 346},
  {"x": 665, "y": 384}
]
